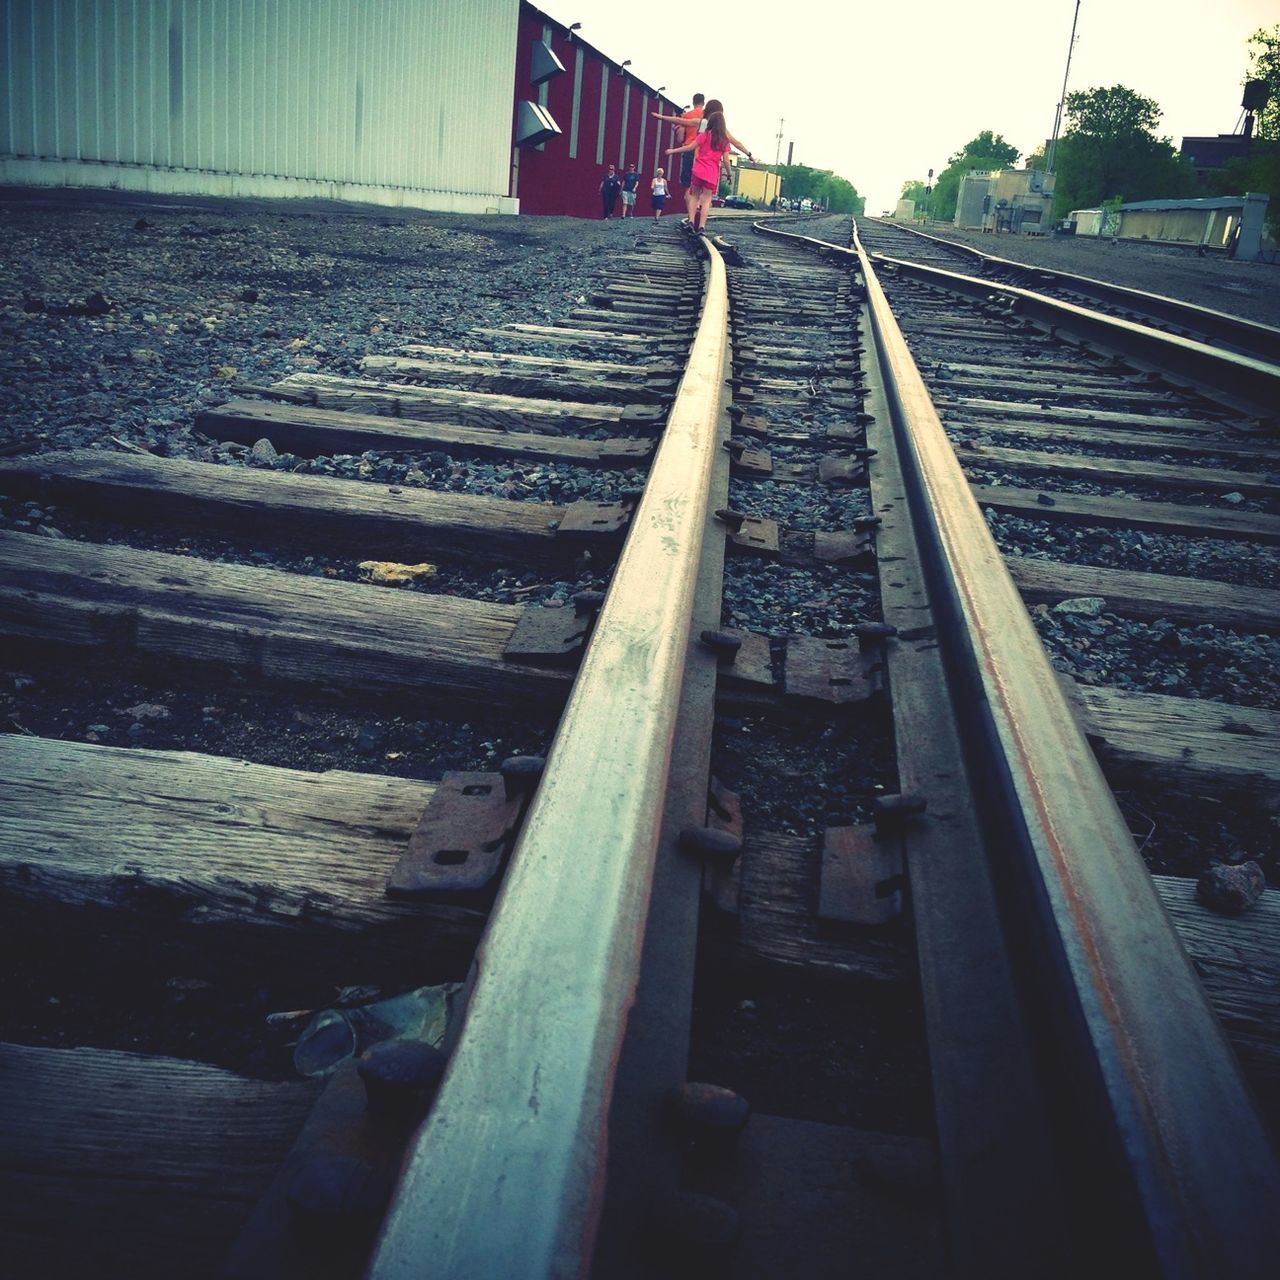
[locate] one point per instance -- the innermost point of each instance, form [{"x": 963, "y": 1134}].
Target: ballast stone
[{"x": 1231, "y": 889}]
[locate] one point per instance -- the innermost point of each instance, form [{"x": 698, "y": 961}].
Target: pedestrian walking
[
  {"x": 710, "y": 150},
  {"x": 658, "y": 193},
  {"x": 609, "y": 189},
  {"x": 630, "y": 181}
]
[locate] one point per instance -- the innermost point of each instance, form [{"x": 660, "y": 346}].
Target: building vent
[
  {"x": 544, "y": 65},
  {"x": 534, "y": 125}
]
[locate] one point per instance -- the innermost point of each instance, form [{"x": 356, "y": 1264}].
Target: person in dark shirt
[
  {"x": 609, "y": 189},
  {"x": 630, "y": 181}
]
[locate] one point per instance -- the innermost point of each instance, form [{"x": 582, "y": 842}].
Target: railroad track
[
  {"x": 1071, "y": 1047},
  {"x": 1204, "y": 324}
]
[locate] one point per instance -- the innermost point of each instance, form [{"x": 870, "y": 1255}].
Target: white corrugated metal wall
[{"x": 390, "y": 101}]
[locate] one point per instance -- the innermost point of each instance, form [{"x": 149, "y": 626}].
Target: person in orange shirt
[{"x": 691, "y": 123}]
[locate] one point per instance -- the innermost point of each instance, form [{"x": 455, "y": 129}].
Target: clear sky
[{"x": 882, "y": 91}]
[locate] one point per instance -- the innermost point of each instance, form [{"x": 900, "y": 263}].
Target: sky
[{"x": 880, "y": 92}]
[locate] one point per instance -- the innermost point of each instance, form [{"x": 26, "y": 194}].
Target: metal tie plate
[
  {"x": 588, "y": 521},
  {"x": 751, "y": 666},
  {"x": 862, "y": 876},
  {"x": 841, "y": 471},
  {"x": 833, "y": 671},
  {"x": 844, "y": 546},
  {"x": 462, "y": 838},
  {"x": 751, "y": 462},
  {"x": 549, "y": 637},
  {"x": 756, "y": 535}
]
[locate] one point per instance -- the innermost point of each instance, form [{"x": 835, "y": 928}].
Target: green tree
[
  {"x": 1109, "y": 148},
  {"x": 914, "y": 190},
  {"x": 1264, "y": 64},
  {"x": 836, "y": 194}
]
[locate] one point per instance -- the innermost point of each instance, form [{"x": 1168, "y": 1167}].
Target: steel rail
[
  {"x": 1185, "y": 359},
  {"x": 506, "y": 1175},
  {"x": 1157, "y": 1134},
  {"x": 1249, "y": 336}
]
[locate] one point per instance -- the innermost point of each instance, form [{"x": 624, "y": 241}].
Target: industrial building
[
  {"x": 1013, "y": 200},
  {"x": 1232, "y": 224},
  {"x": 1209, "y": 155},
  {"x": 755, "y": 183},
  {"x": 465, "y": 106},
  {"x": 602, "y": 115}
]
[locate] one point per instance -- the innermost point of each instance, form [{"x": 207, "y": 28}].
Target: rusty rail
[{"x": 1158, "y": 1143}]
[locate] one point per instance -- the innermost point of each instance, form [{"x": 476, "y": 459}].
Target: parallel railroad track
[
  {"x": 1235, "y": 333},
  {"x": 780, "y": 452}
]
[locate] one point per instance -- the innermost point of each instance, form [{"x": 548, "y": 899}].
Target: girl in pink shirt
[{"x": 710, "y": 153}]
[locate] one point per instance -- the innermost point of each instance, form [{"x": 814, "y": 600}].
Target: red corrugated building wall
[{"x": 563, "y": 174}]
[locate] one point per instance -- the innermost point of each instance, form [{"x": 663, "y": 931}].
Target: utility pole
[
  {"x": 1057, "y": 119},
  {"x": 778, "y": 151}
]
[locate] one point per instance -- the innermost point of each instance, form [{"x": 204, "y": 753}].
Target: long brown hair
[{"x": 713, "y": 114}]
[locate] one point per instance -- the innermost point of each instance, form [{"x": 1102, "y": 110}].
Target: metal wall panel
[{"x": 398, "y": 95}]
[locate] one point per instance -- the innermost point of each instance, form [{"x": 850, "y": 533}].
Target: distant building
[
  {"x": 486, "y": 107},
  {"x": 1230, "y": 224},
  {"x": 904, "y": 211},
  {"x": 1209, "y": 155},
  {"x": 756, "y": 184},
  {"x": 577, "y": 111},
  {"x": 337, "y": 99}
]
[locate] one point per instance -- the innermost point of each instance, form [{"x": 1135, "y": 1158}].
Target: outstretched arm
[
  {"x": 689, "y": 146},
  {"x": 657, "y": 115},
  {"x": 745, "y": 150}
]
